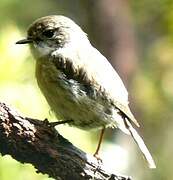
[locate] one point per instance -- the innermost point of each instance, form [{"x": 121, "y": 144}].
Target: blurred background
[{"x": 137, "y": 37}]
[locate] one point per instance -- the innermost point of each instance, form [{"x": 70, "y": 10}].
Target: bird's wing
[
  {"x": 112, "y": 84},
  {"x": 89, "y": 67}
]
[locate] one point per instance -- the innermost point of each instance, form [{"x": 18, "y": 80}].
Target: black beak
[{"x": 25, "y": 41}]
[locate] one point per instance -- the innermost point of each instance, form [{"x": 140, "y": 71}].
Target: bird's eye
[{"x": 48, "y": 33}]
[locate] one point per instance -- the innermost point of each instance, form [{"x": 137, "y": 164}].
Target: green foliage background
[{"x": 152, "y": 85}]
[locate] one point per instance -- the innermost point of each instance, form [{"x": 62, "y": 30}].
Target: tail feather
[{"x": 139, "y": 141}]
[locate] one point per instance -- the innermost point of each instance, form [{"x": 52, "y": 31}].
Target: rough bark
[{"x": 37, "y": 142}]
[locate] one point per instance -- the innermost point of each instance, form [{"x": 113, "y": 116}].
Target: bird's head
[{"x": 50, "y": 33}]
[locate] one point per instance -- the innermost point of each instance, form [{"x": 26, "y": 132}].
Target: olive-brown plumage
[{"x": 77, "y": 80}]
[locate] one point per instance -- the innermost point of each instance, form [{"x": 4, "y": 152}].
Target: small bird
[{"x": 78, "y": 82}]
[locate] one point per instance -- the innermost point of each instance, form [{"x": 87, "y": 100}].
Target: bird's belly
[
  {"x": 72, "y": 103},
  {"x": 70, "y": 100}
]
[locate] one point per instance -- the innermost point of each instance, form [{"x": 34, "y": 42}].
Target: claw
[{"x": 53, "y": 124}]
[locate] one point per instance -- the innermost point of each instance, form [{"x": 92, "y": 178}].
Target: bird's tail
[{"x": 139, "y": 141}]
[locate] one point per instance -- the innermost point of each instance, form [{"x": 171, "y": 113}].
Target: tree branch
[{"x": 33, "y": 141}]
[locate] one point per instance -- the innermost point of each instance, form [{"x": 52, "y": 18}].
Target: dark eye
[{"x": 48, "y": 33}]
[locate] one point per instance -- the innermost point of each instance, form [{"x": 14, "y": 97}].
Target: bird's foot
[
  {"x": 99, "y": 160},
  {"x": 53, "y": 124}
]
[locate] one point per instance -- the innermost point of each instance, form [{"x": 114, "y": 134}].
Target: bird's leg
[
  {"x": 96, "y": 154},
  {"x": 53, "y": 124}
]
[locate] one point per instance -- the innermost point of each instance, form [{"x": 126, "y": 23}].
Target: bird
[{"x": 80, "y": 85}]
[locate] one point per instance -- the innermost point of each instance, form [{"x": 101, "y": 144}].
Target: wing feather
[{"x": 99, "y": 74}]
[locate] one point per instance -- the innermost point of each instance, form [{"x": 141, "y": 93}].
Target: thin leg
[{"x": 96, "y": 154}]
